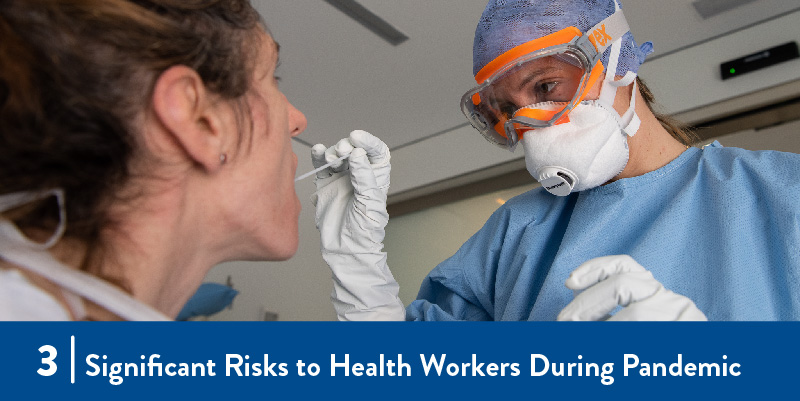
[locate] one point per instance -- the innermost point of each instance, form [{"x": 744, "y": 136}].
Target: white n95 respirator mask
[{"x": 584, "y": 153}]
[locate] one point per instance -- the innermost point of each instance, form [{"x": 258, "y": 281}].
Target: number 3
[{"x": 51, "y": 370}]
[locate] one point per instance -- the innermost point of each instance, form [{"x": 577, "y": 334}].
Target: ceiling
[{"x": 344, "y": 77}]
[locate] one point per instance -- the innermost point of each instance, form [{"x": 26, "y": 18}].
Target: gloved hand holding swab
[
  {"x": 351, "y": 217},
  {"x": 318, "y": 169}
]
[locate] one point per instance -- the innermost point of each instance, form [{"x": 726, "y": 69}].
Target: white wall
[
  {"x": 784, "y": 137},
  {"x": 691, "y": 78}
]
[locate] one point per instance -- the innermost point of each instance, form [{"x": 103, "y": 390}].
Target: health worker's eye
[
  {"x": 545, "y": 88},
  {"x": 507, "y": 110}
]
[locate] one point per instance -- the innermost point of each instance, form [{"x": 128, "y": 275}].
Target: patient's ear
[{"x": 190, "y": 116}]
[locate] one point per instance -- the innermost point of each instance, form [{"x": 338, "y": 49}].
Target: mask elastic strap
[
  {"x": 17, "y": 249},
  {"x": 10, "y": 201},
  {"x": 630, "y": 120},
  {"x": 609, "y": 91},
  {"x": 20, "y": 250}
]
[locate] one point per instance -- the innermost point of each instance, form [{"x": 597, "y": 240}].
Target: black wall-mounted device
[{"x": 757, "y": 61}]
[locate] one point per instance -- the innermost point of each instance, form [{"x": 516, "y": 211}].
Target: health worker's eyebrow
[{"x": 534, "y": 75}]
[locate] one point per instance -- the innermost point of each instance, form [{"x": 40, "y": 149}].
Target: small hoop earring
[{"x": 223, "y": 158}]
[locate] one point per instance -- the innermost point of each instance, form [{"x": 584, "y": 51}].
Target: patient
[{"x": 141, "y": 143}]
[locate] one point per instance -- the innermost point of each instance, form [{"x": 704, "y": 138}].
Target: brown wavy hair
[
  {"x": 680, "y": 131},
  {"x": 74, "y": 73}
]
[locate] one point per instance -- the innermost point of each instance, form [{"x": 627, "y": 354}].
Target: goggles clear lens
[{"x": 520, "y": 96}]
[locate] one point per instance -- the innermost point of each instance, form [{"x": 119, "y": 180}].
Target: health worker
[{"x": 636, "y": 223}]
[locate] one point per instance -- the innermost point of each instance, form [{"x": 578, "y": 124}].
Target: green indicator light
[{"x": 733, "y": 70}]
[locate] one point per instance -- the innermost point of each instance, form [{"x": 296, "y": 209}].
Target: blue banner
[{"x": 381, "y": 361}]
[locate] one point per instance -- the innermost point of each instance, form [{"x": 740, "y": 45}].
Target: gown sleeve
[{"x": 462, "y": 287}]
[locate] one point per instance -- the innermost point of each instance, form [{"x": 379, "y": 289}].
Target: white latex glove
[
  {"x": 619, "y": 280},
  {"x": 351, "y": 217}
]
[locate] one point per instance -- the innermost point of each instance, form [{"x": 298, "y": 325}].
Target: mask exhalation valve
[{"x": 557, "y": 181}]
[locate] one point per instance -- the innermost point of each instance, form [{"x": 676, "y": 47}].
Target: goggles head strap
[{"x": 597, "y": 39}]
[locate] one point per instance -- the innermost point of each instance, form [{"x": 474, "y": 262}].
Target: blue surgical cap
[{"x": 506, "y": 24}]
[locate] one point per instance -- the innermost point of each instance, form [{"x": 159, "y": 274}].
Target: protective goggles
[{"x": 537, "y": 84}]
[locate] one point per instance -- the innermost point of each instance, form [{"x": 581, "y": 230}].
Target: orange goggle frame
[{"x": 565, "y": 38}]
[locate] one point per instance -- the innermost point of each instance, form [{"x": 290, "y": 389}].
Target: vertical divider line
[{"x": 72, "y": 359}]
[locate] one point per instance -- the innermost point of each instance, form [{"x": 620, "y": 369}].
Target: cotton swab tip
[{"x": 318, "y": 169}]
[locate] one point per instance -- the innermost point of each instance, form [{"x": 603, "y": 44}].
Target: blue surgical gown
[{"x": 718, "y": 225}]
